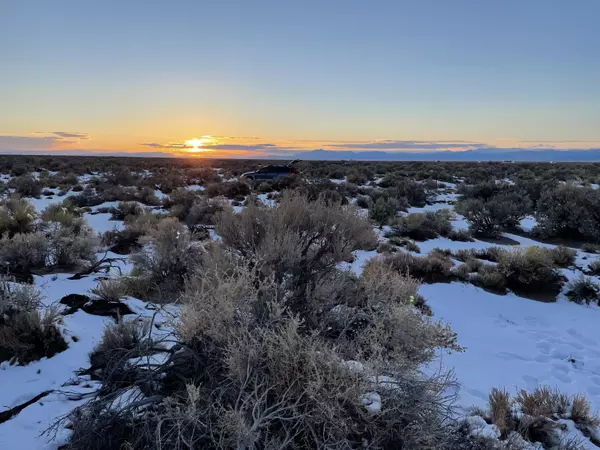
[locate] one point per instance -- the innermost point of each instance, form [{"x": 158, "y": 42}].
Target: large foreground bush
[{"x": 277, "y": 348}]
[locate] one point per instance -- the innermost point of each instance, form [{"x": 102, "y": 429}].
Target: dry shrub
[
  {"x": 499, "y": 402},
  {"x": 408, "y": 244},
  {"x": 26, "y": 334},
  {"x": 254, "y": 370},
  {"x": 23, "y": 252},
  {"x": 581, "y": 412},
  {"x": 488, "y": 277},
  {"x": 460, "y": 236},
  {"x": 383, "y": 210},
  {"x": 298, "y": 241},
  {"x": 423, "y": 226},
  {"x": 590, "y": 248},
  {"x": 529, "y": 269},
  {"x": 71, "y": 246},
  {"x": 434, "y": 267},
  {"x": 204, "y": 212},
  {"x": 583, "y": 290},
  {"x": 464, "y": 254},
  {"x": 490, "y": 253},
  {"x": 110, "y": 290},
  {"x": 120, "y": 342},
  {"x": 563, "y": 256},
  {"x": 64, "y": 213},
  {"x": 127, "y": 239},
  {"x": 167, "y": 256},
  {"x": 126, "y": 209},
  {"x": 463, "y": 272},
  {"x": 543, "y": 401},
  {"x": 17, "y": 215},
  {"x": 535, "y": 417},
  {"x": 594, "y": 268}
]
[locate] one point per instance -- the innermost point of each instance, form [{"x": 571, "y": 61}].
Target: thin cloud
[
  {"x": 405, "y": 145},
  {"x": 70, "y": 135}
]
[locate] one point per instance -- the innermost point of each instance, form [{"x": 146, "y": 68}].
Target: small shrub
[
  {"x": 492, "y": 254},
  {"x": 490, "y": 217},
  {"x": 27, "y": 186},
  {"x": 386, "y": 247},
  {"x": 464, "y": 254},
  {"x": 460, "y": 236},
  {"x": 590, "y": 248},
  {"x": 120, "y": 342},
  {"x": 489, "y": 278},
  {"x": 23, "y": 252},
  {"x": 25, "y": 333},
  {"x": 563, "y": 256},
  {"x": 110, "y": 290},
  {"x": 382, "y": 210},
  {"x": 408, "y": 244},
  {"x": 530, "y": 269},
  {"x": 167, "y": 256},
  {"x": 363, "y": 201},
  {"x": 594, "y": 268},
  {"x": 423, "y": 226},
  {"x": 431, "y": 268},
  {"x": 500, "y": 410},
  {"x": 17, "y": 215},
  {"x": 463, "y": 272},
  {"x": 583, "y": 290},
  {"x": 569, "y": 211},
  {"x": 126, "y": 209}
]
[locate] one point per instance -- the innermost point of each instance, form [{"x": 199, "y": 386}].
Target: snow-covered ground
[
  {"x": 510, "y": 342},
  {"x": 515, "y": 343}
]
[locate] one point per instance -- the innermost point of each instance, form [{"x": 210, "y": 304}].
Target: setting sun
[{"x": 197, "y": 145}]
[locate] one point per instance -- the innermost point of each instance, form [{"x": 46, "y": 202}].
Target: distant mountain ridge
[
  {"x": 491, "y": 154},
  {"x": 480, "y": 154}
]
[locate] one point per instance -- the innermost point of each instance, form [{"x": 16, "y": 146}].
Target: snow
[
  {"x": 516, "y": 343},
  {"x": 195, "y": 187},
  {"x": 41, "y": 203},
  {"x": 372, "y": 402},
  {"x": 528, "y": 223},
  {"x": 267, "y": 201},
  {"x": 160, "y": 194},
  {"x": 336, "y": 181},
  {"x": 101, "y": 222},
  {"x": 431, "y": 207}
]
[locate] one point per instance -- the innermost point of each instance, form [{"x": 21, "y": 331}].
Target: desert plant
[
  {"x": 26, "y": 334},
  {"x": 530, "y": 269},
  {"x": 460, "y": 236},
  {"x": 594, "y": 268},
  {"x": 382, "y": 210},
  {"x": 23, "y": 252},
  {"x": 569, "y": 211},
  {"x": 488, "y": 277},
  {"x": 299, "y": 241},
  {"x": 433, "y": 267},
  {"x": 408, "y": 244},
  {"x": 26, "y": 185},
  {"x": 109, "y": 290},
  {"x": 17, "y": 215},
  {"x": 583, "y": 290},
  {"x": 423, "y": 226},
  {"x": 168, "y": 254},
  {"x": 563, "y": 256}
]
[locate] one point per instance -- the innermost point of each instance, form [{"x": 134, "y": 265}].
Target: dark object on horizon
[{"x": 272, "y": 172}]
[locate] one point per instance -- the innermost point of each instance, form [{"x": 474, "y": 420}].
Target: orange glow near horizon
[{"x": 199, "y": 145}]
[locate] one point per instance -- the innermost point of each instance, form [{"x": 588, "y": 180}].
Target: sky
[{"x": 245, "y": 78}]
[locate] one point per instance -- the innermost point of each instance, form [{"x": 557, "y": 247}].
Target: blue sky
[{"x": 514, "y": 73}]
